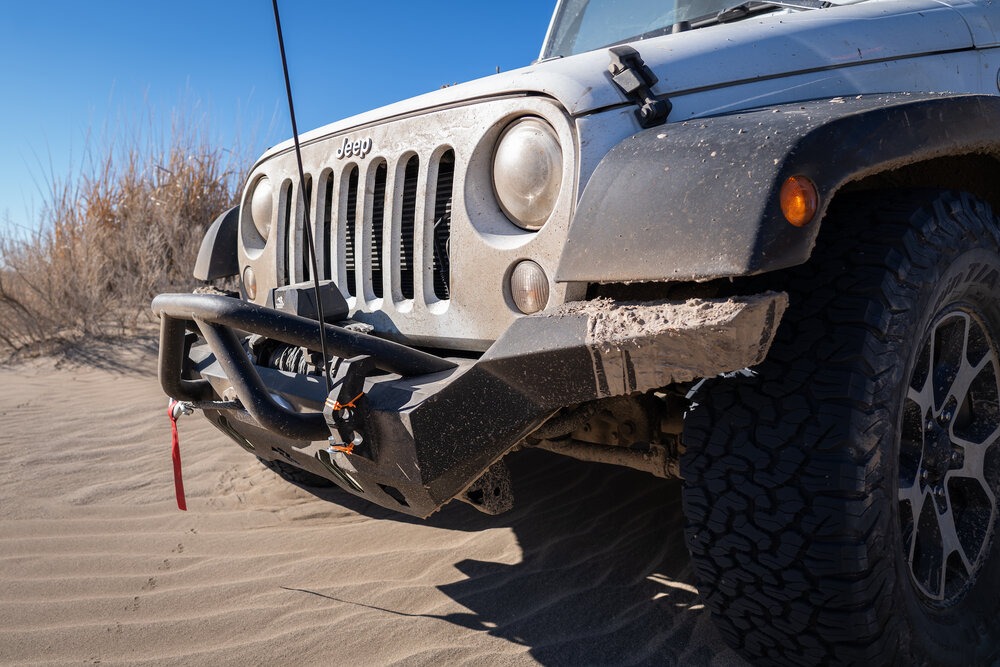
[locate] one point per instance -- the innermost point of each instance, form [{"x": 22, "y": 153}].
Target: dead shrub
[{"x": 112, "y": 237}]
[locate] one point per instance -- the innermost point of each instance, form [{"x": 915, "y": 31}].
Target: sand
[{"x": 98, "y": 566}]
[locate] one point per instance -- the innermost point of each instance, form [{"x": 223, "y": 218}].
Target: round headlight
[
  {"x": 529, "y": 288},
  {"x": 261, "y": 206},
  {"x": 527, "y": 172}
]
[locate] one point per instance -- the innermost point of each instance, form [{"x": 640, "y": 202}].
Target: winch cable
[{"x": 307, "y": 226}]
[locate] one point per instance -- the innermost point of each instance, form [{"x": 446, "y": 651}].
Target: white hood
[{"x": 750, "y": 50}]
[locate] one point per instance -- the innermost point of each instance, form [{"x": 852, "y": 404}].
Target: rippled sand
[{"x": 98, "y": 565}]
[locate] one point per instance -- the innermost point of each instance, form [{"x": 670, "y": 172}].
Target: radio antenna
[{"x": 307, "y": 227}]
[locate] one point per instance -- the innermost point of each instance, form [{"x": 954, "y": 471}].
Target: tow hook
[
  {"x": 345, "y": 410},
  {"x": 175, "y": 410},
  {"x": 180, "y": 409}
]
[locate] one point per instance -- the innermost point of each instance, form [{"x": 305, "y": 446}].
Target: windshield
[{"x": 584, "y": 25}]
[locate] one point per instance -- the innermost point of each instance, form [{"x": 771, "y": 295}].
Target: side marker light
[{"x": 799, "y": 200}]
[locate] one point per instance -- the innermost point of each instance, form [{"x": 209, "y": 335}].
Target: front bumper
[{"x": 431, "y": 426}]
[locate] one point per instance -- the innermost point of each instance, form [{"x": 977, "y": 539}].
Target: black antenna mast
[{"x": 310, "y": 246}]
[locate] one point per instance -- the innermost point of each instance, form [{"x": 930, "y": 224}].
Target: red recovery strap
[{"x": 175, "y": 454}]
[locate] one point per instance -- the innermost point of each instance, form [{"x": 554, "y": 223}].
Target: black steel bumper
[{"x": 431, "y": 426}]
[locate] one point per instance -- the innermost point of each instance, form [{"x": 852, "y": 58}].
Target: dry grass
[{"x": 112, "y": 237}]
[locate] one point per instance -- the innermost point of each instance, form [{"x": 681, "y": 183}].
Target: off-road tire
[
  {"x": 297, "y": 475},
  {"x": 794, "y": 475}
]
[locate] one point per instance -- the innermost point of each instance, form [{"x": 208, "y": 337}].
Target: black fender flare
[
  {"x": 217, "y": 257},
  {"x": 698, "y": 200}
]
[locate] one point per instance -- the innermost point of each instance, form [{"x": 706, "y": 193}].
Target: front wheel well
[{"x": 976, "y": 173}]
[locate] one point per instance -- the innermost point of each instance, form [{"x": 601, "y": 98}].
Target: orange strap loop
[{"x": 337, "y": 406}]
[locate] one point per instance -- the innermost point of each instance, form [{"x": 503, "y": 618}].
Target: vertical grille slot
[
  {"x": 350, "y": 229},
  {"x": 378, "y": 223},
  {"x": 407, "y": 219},
  {"x": 442, "y": 226},
  {"x": 327, "y": 222},
  {"x": 305, "y": 200},
  {"x": 287, "y": 230}
]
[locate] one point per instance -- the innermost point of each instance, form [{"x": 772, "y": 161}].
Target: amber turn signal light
[
  {"x": 799, "y": 200},
  {"x": 250, "y": 283}
]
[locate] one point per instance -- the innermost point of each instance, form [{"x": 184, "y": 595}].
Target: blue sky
[{"x": 74, "y": 74}]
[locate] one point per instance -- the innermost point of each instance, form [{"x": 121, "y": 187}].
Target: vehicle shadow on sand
[{"x": 604, "y": 576}]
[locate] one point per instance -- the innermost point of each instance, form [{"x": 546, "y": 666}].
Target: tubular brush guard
[{"x": 410, "y": 430}]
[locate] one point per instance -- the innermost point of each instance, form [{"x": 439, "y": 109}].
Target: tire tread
[{"x": 784, "y": 492}]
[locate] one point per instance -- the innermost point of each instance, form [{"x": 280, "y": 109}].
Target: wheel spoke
[
  {"x": 950, "y": 542},
  {"x": 947, "y": 347},
  {"x": 923, "y": 397},
  {"x": 914, "y": 495},
  {"x": 967, "y": 374},
  {"x": 973, "y": 466},
  {"x": 916, "y": 498}
]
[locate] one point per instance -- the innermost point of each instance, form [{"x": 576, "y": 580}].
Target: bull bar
[{"x": 431, "y": 425}]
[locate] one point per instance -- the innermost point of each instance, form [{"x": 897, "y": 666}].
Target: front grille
[
  {"x": 367, "y": 226},
  {"x": 406, "y": 222}
]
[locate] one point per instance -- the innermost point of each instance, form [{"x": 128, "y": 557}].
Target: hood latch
[{"x": 630, "y": 73}]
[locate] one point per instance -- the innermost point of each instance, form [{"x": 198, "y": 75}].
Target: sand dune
[{"x": 98, "y": 565}]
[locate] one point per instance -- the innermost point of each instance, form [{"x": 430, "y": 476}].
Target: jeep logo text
[{"x": 358, "y": 147}]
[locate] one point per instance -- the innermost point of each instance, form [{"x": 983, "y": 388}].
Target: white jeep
[{"x": 748, "y": 245}]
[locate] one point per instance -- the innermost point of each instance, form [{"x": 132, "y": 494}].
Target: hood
[{"x": 771, "y": 46}]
